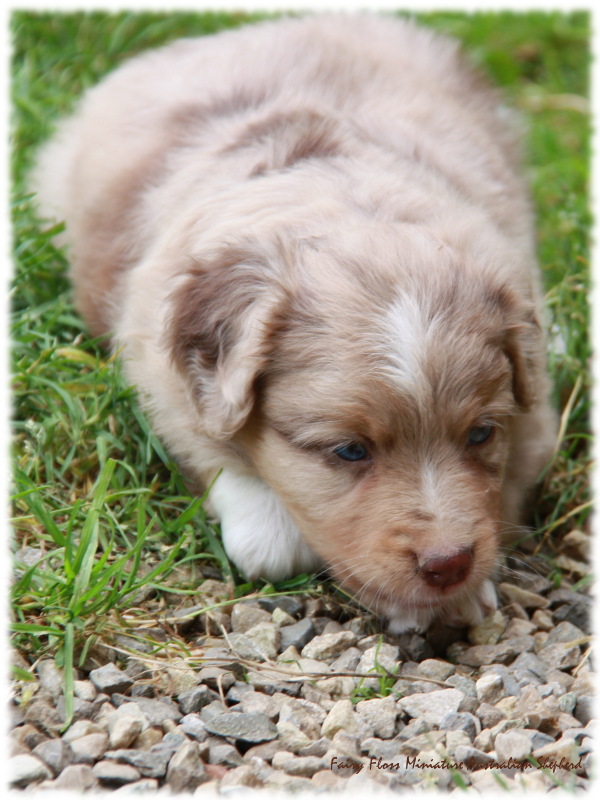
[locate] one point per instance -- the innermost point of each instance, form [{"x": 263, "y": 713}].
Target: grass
[{"x": 98, "y": 505}]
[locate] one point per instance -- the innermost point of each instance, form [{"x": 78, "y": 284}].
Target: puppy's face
[{"x": 379, "y": 409}]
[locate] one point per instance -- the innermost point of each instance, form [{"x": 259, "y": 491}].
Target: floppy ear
[
  {"x": 220, "y": 332},
  {"x": 523, "y": 344}
]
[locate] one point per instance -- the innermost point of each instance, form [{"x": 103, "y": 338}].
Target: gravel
[{"x": 517, "y": 686}]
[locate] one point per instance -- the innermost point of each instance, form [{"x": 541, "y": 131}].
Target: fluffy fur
[{"x": 311, "y": 234}]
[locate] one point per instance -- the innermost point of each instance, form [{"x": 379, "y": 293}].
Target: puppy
[{"x": 312, "y": 244}]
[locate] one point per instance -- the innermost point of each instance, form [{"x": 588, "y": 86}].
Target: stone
[
  {"x": 563, "y": 748},
  {"x": 461, "y": 721},
  {"x": 196, "y": 699},
  {"x": 542, "y": 619},
  {"x": 82, "y": 709},
  {"x": 253, "y": 702},
  {"x": 148, "y": 738},
  {"x": 560, "y": 655},
  {"x": 156, "y": 711},
  {"x": 186, "y": 771},
  {"x": 90, "y": 748},
  {"x": 248, "y": 727},
  {"x": 292, "y": 605},
  {"x": 240, "y": 776},
  {"x": 433, "y": 706},
  {"x": 143, "y": 786},
  {"x": 82, "y": 727},
  {"x": 341, "y": 717},
  {"x": 435, "y": 669},
  {"x": 150, "y": 763},
  {"x": 512, "y": 744},
  {"x": 381, "y": 658},
  {"x": 265, "y": 638},
  {"x": 579, "y": 613},
  {"x": 490, "y": 688},
  {"x": 41, "y": 714},
  {"x": 519, "y": 627},
  {"x": 502, "y": 653},
  {"x": 110, "y": 679},
  {"x": 377, "y": 716},
  {"x": 317, "y": 748},
  {"x": 584, "y": 709},
  {"x": 51, "y": 678},
  {"x": 224, "y": 754},
  {"x": 473, "y": 758},
  {"x": 415, "y": 744},
  {"x": 26, "y": 769},
  {"x": 76, "y": 778},
  {"x": 280, "y": 618},
  {"x": 525, "y": 598},
  {"x": 85, "y": 690},
  {"x": 305, "y": 715},
  {"x": 291, "y": 737},
  {"x": 566, "y": 633},
  {"x": 55, "y": 753},
  {"x": 112, "y": 774},
  {"x": 297, "y": 635},
  {"x": 329, "y": 645},
  {"x": 125, "y": 730},
  {"x": 490, "y": 715},
  {"x": 246, "y": 615},
  {"x": 489, "y": 630},
  {"x": 28, "y": 735},
  {"x": 305, "y": 766}
]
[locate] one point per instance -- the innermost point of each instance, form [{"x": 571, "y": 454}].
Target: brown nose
[{"x": 445, "y": 571}]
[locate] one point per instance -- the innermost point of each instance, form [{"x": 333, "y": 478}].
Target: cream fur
[{"x": 304, "y": 234}]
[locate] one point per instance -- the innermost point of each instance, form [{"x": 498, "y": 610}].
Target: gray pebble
[
  {"x": 297, "y": 635},
  {"x": 560, "y": 656},
  {"x": 186, "y": 771},
  {"x": 245, "y": 616},
  {"x": 26, "y": 769},
  {"x": 255, "y": 727},
  {"x": 196, "y": 699},
  {"x": 55, "y": 753},
  {"x": 90, "y": 748},
  {"x": 110, "y": 678},
  {"x": 473, "y": 757},
  {"x": 112, "y": 774},
  {"x": 43, "y": 715},
  {"x": 225, "y": 754},
  {"x": 578, "y": 613},
  {"x": 584, "y": 709},
  {"x": 461, "y": 721},
  {"x": 51, "y": 678},
  {"x": 150, "y": 763},
  {"x": 292, "y": 605},
  {"x": 512, "y": 744},
  {"x": 155, "y": 711},
  {"x": 432, "y": 706},
  {"x": 76, "y": 778},
  {"x": 328, "y": 645}
]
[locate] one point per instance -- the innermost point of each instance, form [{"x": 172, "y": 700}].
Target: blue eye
[
  {"x": 480, "y": 434},
  {"x": 352, "y": 452}
]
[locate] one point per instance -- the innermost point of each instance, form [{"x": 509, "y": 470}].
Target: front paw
[
  {"x": 258, "y": 533},
  {"x": 474, "y": 608},
  {"x": 469, "y": 611}
]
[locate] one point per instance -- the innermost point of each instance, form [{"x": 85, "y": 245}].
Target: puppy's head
[{"x": 375, "y": 391}]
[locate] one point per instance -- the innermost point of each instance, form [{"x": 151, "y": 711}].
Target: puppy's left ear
[
  {"x": 221, "y": 329},
  {"x": 523, "y": 344}
]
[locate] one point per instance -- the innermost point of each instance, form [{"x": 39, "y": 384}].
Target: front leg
[{"x": 258, "y": 534}]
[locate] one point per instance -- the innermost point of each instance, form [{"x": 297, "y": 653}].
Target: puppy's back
[{"x": 397, "y": 85}]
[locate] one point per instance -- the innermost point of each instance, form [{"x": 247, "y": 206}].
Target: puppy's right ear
[{"x": 220, "y": 334}]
